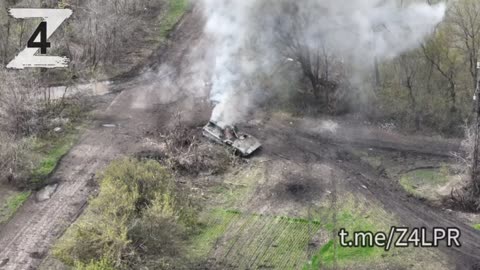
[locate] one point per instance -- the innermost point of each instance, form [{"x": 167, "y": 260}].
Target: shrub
[
  {"x": 102, "y": 264},
  {"x": 16, "y": 160},
  {"x": 465, "y": 196},
  {"x": 137, "y": 214},
  {"x": 186, "y": 154},
  {"x": 20, "y": 107}
]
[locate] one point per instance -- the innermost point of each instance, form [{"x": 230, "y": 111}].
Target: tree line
[{"x": 428, "y": 88}]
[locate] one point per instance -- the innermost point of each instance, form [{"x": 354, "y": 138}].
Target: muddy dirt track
[
  {"x": 151, "y": 100},
  {"x": 304, "y": 145}
]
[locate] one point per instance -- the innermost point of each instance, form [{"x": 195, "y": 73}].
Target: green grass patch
[
  {"x": 251, "y": 241},
  {"x": 51, "y": 150},
  {"x": 424, "y": 182},
  {"x": 12, "y": 204},
  {"x": 214, "y": 226},
  {"x": 329, "y": 253},
  {"x": 476, "y": 227},
  {"x": 301, "y": 220},
  {"x": 352, "y": 215},
  {"x": 102, "y": 264},
  {"x": 227, "y": 200},
  {"x": 176, "y": 9},
  {"x": 237, "y": 187},
  {"x": 373, "y": 159}
]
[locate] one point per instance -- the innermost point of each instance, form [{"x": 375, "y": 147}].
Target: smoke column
[{"x": 356, "y": 31}]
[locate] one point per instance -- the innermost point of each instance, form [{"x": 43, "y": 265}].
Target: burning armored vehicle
[{"x": 242, "y": 143}]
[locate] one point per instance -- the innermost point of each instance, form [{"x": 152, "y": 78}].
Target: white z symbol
[{"x": 51, "y": 17}]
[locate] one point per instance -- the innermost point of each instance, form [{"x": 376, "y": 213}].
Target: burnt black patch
[
  {"x": 298, "y": 187},
  {"x": 149, "y": 154}
]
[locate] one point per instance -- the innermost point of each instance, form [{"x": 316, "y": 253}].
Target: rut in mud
[{"x": 303, "y": 147}]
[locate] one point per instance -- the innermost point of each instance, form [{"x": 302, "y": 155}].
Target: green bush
[
  {"x": 137, "y": 215},
  {"x": 176, "y": 9},
  {"x": 102, "y": 264}
]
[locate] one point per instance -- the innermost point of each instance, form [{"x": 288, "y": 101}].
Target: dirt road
[{"x": 26, "y": 239}]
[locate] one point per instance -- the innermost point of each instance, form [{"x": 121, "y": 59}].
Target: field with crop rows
[{"x": 250, "y": 241}]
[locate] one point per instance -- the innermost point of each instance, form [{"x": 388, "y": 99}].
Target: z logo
[{"x": 52, "y": 19}]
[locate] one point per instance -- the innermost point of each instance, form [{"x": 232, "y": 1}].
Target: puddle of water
[
  {"x": 90, "y": 89},
  {"x": 109, "y": 125},
  {"x": 46, "y": 193}
]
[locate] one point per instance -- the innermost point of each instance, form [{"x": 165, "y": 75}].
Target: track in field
[{"x": 251, "y": 241}]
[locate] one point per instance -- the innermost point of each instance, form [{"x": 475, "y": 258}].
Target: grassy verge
[
  {"x": 176, "y": 9},
  {"x": 476, "y": 227},
  {"x": 424, "y": 183},
  {"x": 48, "y": 151},
  {"x": 373, "y": 159},
  {"x": 51, "y": 150},
  {"x": 12, "y": 204}
]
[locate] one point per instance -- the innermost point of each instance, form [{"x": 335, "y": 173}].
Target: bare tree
[
  {"x": 474, "y": 190},
  {"x": 318, "y": 65},
  {"x": 442, "y": 56},
  {"x": 7, "y": 32},
  {"x": 408, "y": 66},
  {"x": 100, "y": 31},
  {"x": 19, "y": 105},
  {"x": 465, "y": 21}
]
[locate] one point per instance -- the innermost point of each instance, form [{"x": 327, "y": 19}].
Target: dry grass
[
  {"x": 187, "y": 154},
  {"x": 465, "y": 197},
  {"x": 16, "y": 160}
]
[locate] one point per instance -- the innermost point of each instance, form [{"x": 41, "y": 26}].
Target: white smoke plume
[{"x": 246, "y": 44}]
